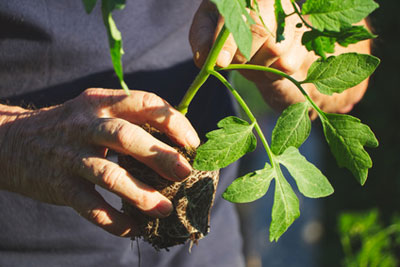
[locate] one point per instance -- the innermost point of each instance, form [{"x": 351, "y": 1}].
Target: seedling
[{"x": 331, "y": 23}]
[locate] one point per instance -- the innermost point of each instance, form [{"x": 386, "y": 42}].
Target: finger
[
  {"x": 261, "y": 31},
  {"x": 90, "y": 205},
  {"x": 229, "y": 48},
  {"x": 115, "y": 179},
  {"x": 270, "y": 50},
  {"x": 202, "y": 31},
  {"x": 131, "y": 139},
  {"x": 295, "y": 55},
  {"x": 143, "y": 107}
]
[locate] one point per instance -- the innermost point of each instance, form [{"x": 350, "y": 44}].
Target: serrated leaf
[
  {"x": 280, "y": 17},
  {"x": 89, "y": 5},
  {"x": 114, "y": 37},
  {"x": 353, "y": 35},
  {"x": 324, "y": 42},
  {"x": 319, "y": 43},
  {"x": 309, "y": 179},
  {"x": 333, "y": 15},
  {"x": 292, "y": 128},
  {"x": 336, "y": 74},
  {"x": 250, "y": 187},
  {"x": 226, "y": 145},
  {"x": 285, "y": 209},
  {"x": 346, "y": 137},
  {"x": 233, "y": 12}
]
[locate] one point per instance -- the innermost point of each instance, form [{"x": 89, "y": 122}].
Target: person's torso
[{"x": 49, "y": 42}]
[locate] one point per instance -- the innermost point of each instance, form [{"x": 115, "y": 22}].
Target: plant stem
[
  {"x": 280, "y": 73},
  {"x": 248, "y": 112},
  {"x": 298, "y": 12},
  {"x": 204, "y": 73}
]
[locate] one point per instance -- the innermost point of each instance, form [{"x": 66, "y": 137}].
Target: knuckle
[
  {"x": 89, "y": 93},
  {"x": 288, "y": 65},
  {"x": 154, "y": 107},
  {"x": 90, "y": 96},
  {"x": 111, "y": 176},
  {"x": 259, "y": 31},
  {"x": 124, "y": 135},
  {"x": 151, "y": 100}
]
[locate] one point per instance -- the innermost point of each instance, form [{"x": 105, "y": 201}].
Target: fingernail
[
  {"x": 182, "y": 169},
  {"x": 192, "y": 139},
  {"x": 224, "y": 58},
  {"x": 164, "y": 208}
]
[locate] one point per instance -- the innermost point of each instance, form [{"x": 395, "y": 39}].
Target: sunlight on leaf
[
  {"x": 250, "y": 187},
  {"x": 346, "y": 137},
  {"x": 226, "y": 145}
]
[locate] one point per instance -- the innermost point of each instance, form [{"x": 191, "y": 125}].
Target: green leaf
[
  {"x": 114, "y": 37},
  {"x": 324, "y": 42},
  {"x": 333, "y": 15},
  {"x": 353, "y": 35},
  {"x": 310, "y": 180},
  {"x": 226, "y": 145},
  {"x": 285, "y": 209},
  {"x": 89, "y": 5},
  {"x": 112, "y": 5},
  {"x": 346, "y": 137},
  {"x": 292, "y": 128},
  {"x": 319, "y": 43},
  {"x": 336, "y": 74},
  {"x": 233, "y": 12},
  {"x": 280, "y": 17},
  {"x": 250, "y": 187}
]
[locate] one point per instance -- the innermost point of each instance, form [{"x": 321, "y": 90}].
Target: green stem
[
  {"x": 204, "y": 73},
  {"x": 280, "y": 73},
  {"x": 298, "y": 12},
  {"x": 248, "y": 112},
  {"x": 290, "y": 14}
]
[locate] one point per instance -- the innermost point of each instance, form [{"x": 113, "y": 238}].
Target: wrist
[{"x": 8, "y": 139}]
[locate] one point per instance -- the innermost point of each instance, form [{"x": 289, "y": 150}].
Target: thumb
[{"x": 201, "y": 35}]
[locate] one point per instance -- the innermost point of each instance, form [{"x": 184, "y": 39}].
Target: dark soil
[{"x": 192, "y": 200}]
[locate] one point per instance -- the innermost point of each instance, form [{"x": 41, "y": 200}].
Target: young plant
[{"x": 331, "y": 22}]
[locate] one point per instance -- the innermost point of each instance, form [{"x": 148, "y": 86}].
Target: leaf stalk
[
  {"x": 248, "y": 112},
  {"x": 280, "y": 73}
]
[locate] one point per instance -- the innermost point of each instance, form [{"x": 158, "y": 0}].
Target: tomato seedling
[{"x": 331, "y": 23}]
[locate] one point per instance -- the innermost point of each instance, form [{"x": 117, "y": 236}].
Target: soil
[{"x": 192, "y": 200}]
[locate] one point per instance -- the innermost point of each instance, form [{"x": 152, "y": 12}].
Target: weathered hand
[
  {"x": 288, "y": 56},
  {"x": 57, "y": 154}
]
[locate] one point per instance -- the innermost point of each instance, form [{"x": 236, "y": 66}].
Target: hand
[
  {"x": 288, "y": 56},
  {"x": 57, "y": 154}
]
